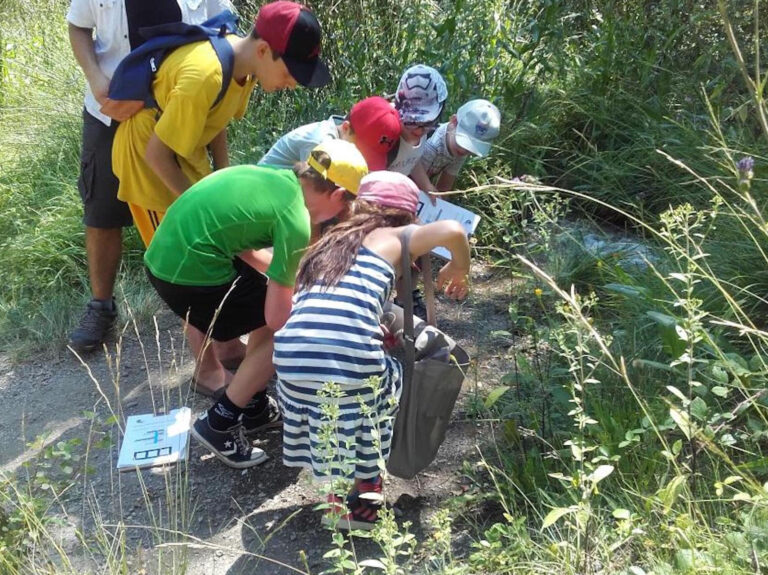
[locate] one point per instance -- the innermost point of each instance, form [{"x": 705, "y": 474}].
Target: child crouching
[{"x": 334, "y": 335}]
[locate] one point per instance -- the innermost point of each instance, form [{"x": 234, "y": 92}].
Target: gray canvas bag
[{"x": 430, "y": 385}]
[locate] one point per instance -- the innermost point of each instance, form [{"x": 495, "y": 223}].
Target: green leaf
[
  {"x": 601, "y": 473},
  {"x": 682, "y": 420},
  {"x": 671, "y": 491},
  {"x": 677, "y": 393},
  {"x": 554, "y": 515},
  {"x": 494, "y": 396},
  {"x": 662, "y": 319},
  {"x": 653, "y": 364},
  {"x": 699, "y": 409},
  {"x": 720, "y": 391},
  {"x": 621, "y": 513},
  {"x": 669, "y": 332},
  {"x": 636, "y": 292},
  {"x": 719, "y": 374},
  {"x": 375, "y": 563}
]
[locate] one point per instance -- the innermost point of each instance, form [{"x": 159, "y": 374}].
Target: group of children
[{"x": 240, "y": 250}]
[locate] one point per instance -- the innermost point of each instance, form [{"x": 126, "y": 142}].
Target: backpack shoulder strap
[{"x": 226, "y": 56}]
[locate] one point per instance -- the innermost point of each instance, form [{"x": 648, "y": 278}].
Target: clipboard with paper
[
  {"x": 153, "y": 440},
  {"x": 444, "y": 210}
]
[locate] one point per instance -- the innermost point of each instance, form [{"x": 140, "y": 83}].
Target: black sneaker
[
  {"x": 95, "y": 325},
  {"x": 269, "y": 418},
  {"x": 419, "y": 306},
  {"x": 231, "y": 446}
]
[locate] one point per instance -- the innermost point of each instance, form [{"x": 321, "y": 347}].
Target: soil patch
[{"x": 260, "y": 520}]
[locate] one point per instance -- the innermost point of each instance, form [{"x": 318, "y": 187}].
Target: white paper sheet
[
  {"x": 445, "y": 211},
  {"x": 152, "y": 440}
]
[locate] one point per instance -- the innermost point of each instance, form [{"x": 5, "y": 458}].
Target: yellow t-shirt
[{"x": 185, "y": 87}]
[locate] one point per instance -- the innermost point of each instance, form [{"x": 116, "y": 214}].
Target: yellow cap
[{"x": 347, "y": 164}]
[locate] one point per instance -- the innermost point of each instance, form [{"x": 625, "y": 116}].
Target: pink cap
[{"x": 389, "y": 190}]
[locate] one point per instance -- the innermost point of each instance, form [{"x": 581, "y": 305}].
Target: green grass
[{"x": 624, "y": 112}]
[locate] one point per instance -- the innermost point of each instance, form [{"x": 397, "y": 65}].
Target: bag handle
[{"x": 407, "y": 301}]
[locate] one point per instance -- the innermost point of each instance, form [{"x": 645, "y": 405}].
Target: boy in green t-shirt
[{"x": 205, "y": 260}]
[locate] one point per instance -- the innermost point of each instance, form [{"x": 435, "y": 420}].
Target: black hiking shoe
[
  {"x": 95, "y": 325},
  {"x": 269, "y": 418},
  {"x": 231, "y": 445}
]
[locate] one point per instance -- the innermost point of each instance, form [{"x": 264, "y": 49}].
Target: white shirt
[
  {"x": 437, "y": 158},
  {"x": 110, "y": 23},
  {"x": 296, "y": 145},
  {"x": 408, "y": 156}
]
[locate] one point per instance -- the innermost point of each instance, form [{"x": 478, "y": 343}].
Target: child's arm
[
  {"x": 445, "y": 182},
  {"x": 454, "y": 275},
  {"x": 162, "y": 160},
  {"x": 278, "y": 304},
  {"x": 421, "y": 179},
  {"x": 257, "y": 259},
  {"x": 219, "y": 150}
]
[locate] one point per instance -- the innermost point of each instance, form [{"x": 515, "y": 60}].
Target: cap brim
[
  {"x": 421, "y": 115},
  {"x": 472, "y": 145},
  {"x": 375, "y": 159},
  {"x": 308, "y": 73}
]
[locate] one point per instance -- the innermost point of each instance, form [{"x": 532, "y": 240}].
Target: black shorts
[
  {"x": 242, "y": 310},
  {"x": 97, "y": 184}
]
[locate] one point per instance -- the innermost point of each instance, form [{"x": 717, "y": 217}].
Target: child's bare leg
[
  {"x": 230, "y": 353},
  {"x": 209, "y": 372},
  {"x": 255, "y": 371}
]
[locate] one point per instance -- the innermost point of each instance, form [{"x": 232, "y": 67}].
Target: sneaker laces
[{"x": 241, "y": 441}]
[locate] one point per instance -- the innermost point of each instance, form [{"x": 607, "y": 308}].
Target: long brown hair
[{"x": 332, "y": 256}]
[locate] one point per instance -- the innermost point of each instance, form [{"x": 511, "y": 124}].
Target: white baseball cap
[
  {"x": 477, "y": 123},
  {"x": 420, "y": 95}
]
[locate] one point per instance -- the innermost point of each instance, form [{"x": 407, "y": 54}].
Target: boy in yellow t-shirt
[{"x": 159, "y": 153}]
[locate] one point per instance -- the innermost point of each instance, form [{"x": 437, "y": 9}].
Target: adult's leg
[
  {"x": 103, "y": 216},
  {"x": 104, "y": 248}
]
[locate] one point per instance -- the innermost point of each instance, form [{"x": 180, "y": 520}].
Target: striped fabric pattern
[{"x": 334, "y": 335}]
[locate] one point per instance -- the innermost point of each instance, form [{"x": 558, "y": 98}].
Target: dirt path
[{"x": 235, "y": 515}]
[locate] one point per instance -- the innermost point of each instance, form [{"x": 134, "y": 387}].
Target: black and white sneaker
[
  {"x": 231, "y": 446},
  {"x": 269, "y": 418}
]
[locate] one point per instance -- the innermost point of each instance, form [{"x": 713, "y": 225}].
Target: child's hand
[{"x": 455, "y": 280}]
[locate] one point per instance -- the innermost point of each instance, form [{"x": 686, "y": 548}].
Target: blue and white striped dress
[{"x": 334, "y": 335}]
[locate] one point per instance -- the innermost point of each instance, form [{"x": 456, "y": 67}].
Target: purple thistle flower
[{"x": 746, "y": 164}]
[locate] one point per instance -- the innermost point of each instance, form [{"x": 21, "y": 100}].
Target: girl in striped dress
[{"x": 334, "y": 335}]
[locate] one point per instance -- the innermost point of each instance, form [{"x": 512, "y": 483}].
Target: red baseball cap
[
  {"x": 293, "y": 32},
  {"x": 377, "y": 129}
]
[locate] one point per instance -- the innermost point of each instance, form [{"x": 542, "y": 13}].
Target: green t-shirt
[{"x": 239, "y": 208}]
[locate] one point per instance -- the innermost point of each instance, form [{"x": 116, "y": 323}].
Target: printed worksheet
[
  {"x": 445, "y": 211},
  {"x": 152, "y": 440}
]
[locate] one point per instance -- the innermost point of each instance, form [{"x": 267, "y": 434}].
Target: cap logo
[
  {"x": 418, "y": 80},
  {"x": 481, "y": 129},
  {"x": 386, "y": 140}
]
